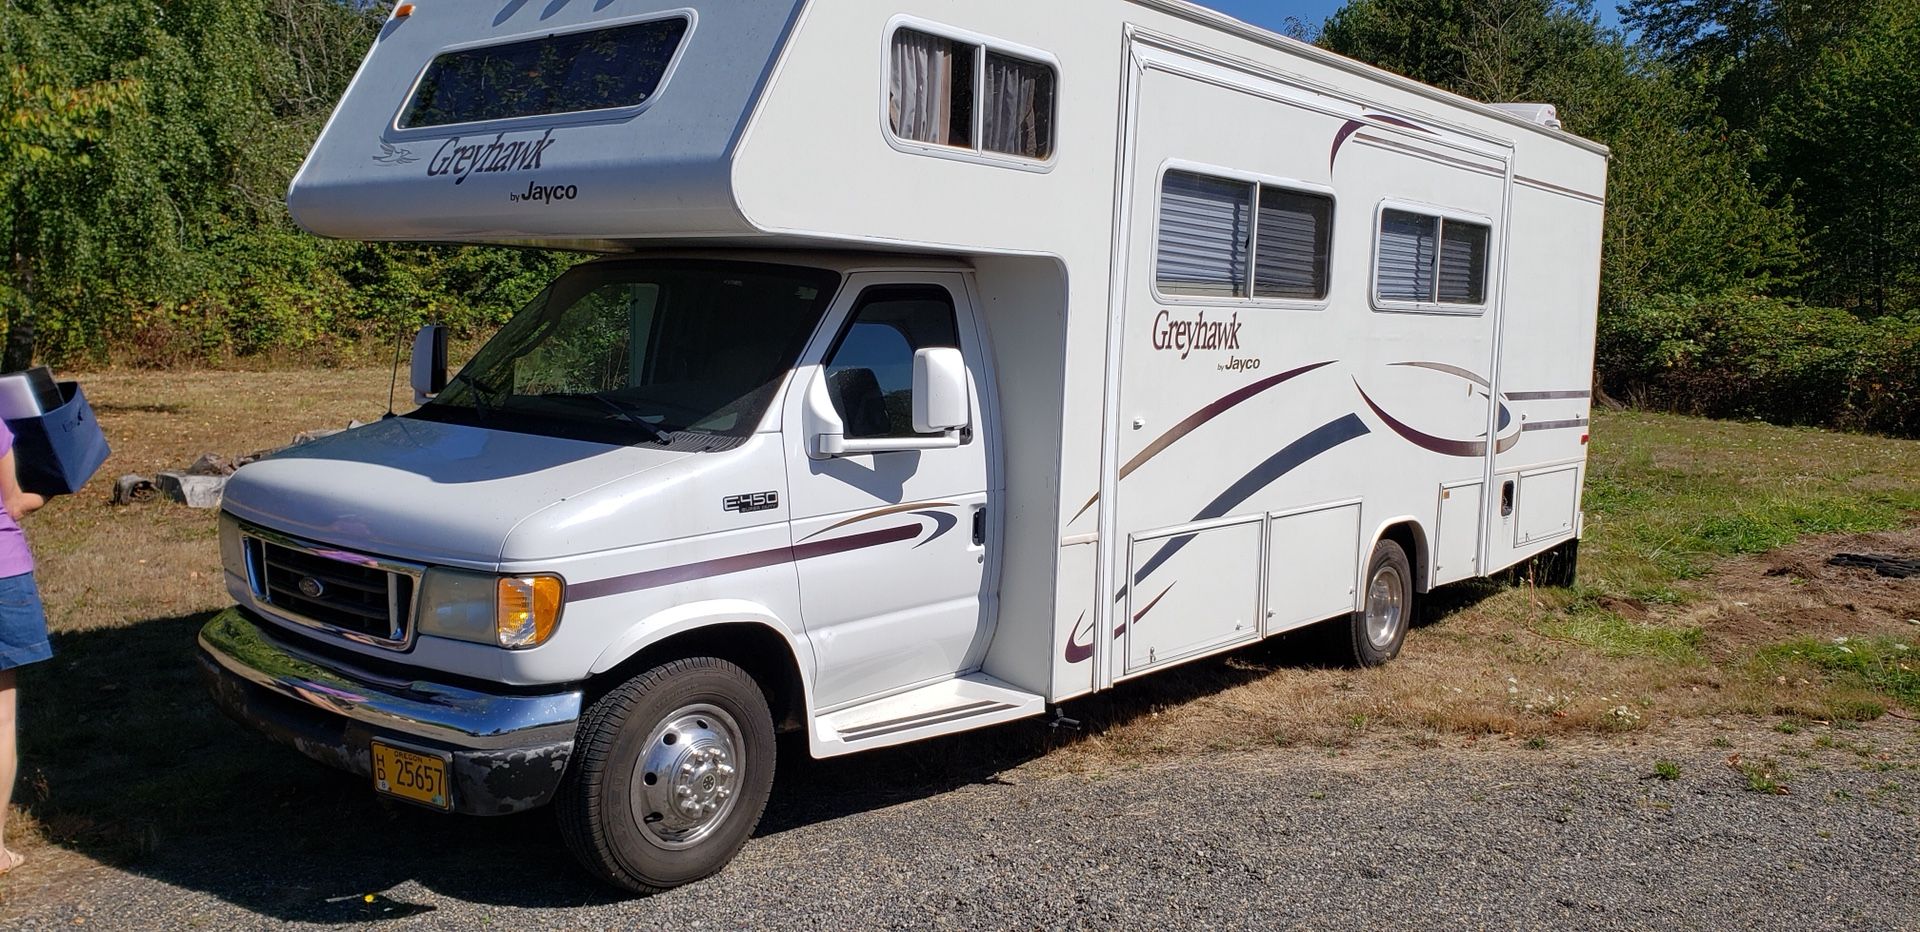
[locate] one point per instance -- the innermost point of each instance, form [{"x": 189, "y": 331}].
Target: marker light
[
  {"x": 527, "y": 610},
  {"x": 404, "y": 9}
]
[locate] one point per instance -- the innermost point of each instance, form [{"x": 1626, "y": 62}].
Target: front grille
[{"x": 361, "y": 597}]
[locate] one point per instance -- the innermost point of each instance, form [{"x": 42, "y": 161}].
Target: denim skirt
[{"x": 23, "y": 623}]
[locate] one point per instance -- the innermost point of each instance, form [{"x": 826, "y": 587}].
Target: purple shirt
[{"x": 14, "y": 556}]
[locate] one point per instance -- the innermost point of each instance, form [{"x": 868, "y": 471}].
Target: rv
[{"x": 941, "y": 363}]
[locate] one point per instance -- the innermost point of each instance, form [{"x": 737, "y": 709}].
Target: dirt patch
[{"x": 1794, "y": 592}]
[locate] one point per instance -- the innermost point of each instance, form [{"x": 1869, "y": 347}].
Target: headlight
[{"x": 515, "y": 612}]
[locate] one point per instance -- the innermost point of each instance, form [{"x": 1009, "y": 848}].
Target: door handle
[{"x": 980, "y": 525}]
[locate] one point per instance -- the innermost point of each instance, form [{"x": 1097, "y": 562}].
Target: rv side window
[
  {"x": 573, "y": 72},
  {"x": 1205, "y": 227},
  {"x": 870, "y": 372},
  {"x": 949, "y": 93},
  {"x": 1209, "y": 227},
  {"x": 1295, "y": 236},
  {"x": 1431, "y": 261}
]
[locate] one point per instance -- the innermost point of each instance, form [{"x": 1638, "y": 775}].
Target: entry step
[{"x": 943, "y": 708}]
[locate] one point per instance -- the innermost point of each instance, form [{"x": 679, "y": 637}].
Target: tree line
[{"x": 1762, "y": 242}]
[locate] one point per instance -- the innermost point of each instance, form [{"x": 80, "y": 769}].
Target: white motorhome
[{"x": 947, "y": 361}]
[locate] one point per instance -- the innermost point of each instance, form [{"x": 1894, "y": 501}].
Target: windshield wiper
[
  {"x": 480, "y": 406},
  {"x": 653, "y": 433}
]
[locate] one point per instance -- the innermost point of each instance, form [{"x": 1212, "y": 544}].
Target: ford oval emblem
[{"x": 312, "y": 588}]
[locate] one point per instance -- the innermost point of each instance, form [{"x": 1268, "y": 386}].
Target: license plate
[{"x": 411, "y": 775}]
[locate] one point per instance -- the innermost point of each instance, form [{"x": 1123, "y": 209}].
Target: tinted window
[
  {"x": 598, "y": 69},
  {"x": 1430, "y": 260},
  {"x": 1295, "y": 235},
  {"x": 1205, "y": 224},
  {"x": 1406, "y": 255},
  {"x": 870, "y": 373},
  {"x": 950, "y": 93},
  {"x": 1463, "y": 263},
  {"x": 1019, "y": 112}
]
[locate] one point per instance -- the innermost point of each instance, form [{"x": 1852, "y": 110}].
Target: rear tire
[
  {"x": 670, "y": 774},
  {"x": 1376, "y": 632}
]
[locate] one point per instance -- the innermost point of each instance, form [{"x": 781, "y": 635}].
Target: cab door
[{"x": 890, "y": 546}]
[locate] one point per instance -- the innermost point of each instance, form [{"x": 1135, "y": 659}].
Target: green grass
[
  {"x": 1666, "y": 770},
  {"x": 1882, "y": 666},
  {"x": 1668, "y": 495},
  {"x": 1588, "y": 624},
  {"x": 1762, "y": 777}
]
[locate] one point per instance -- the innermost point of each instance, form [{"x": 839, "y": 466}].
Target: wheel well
[
  {"x": 1410, "y": 538},
  {"x": 755, "y": 648}
]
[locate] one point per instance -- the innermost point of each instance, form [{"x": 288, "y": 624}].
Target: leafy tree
[
  {"x": 1847, "y": 137},
  {"x": 1747, "y": 53},
  {"x": 1684, "y": 213}
]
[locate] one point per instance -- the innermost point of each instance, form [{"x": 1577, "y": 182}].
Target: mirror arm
[{"x": 830, "y": 446}]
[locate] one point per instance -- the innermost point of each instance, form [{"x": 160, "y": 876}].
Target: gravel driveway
[{"x": 1385, "y": 835}]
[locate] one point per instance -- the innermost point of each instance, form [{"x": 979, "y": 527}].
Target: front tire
[
  {"x": 671, "y": 772},
  {"x": 1376, "y": 632}
]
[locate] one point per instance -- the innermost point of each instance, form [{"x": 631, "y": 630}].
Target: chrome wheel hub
[
  {"x": 1386, "y": 606},
  {"x": 687, "y": 778}
]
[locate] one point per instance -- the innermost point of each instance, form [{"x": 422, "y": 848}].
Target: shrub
[{"x": 1768, "y": 358}]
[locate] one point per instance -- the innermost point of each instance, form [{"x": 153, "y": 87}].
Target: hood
[{"x": 427, "y": 491}]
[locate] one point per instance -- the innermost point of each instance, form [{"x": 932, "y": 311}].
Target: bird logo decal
[{"x": 391, "y": 154}]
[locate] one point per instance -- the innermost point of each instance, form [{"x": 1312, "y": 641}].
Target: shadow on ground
[{"x": 125, "y": 760}]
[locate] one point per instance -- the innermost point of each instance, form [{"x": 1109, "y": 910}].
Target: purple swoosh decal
[
  {"x": 1293, "y": 456},
  {"x": 1354, "y": 126},
  {"x": 1426, "y": 441},
  {"x": 881, "y": 513},
  {"x": 1449, "y": 370},
  {"x": 1076, "y": 651},
  {"x": 724, "y": 566},
  {"x": 943, "y": 523},
  {"x": 1340, "y": 139},
  {"x": 1079, "y": 653},
  {"x": 1199, "y": 418}
]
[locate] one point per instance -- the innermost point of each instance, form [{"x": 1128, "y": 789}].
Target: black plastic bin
[{"x": 57, "y": 452}]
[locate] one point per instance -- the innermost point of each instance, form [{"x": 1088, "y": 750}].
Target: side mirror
[
  {"x": 429, "y": 374},
  {"x": 940, "y": 391}
]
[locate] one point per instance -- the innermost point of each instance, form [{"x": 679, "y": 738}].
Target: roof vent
[{"x": 1538, "y": 114}]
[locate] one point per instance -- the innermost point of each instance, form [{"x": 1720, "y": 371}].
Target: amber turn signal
[{"x": 527, "y": 610}]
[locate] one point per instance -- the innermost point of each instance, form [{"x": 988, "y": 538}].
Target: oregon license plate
[{"x": 411, "y": 775}]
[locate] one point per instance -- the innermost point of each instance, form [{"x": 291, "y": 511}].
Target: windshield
[{"x": 671, "y": 352}]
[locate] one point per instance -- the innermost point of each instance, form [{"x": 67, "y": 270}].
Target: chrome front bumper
[{"x": 508, "y": 751}]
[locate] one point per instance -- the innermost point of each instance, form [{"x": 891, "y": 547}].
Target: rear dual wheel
[{"x": 670, "y": 774}]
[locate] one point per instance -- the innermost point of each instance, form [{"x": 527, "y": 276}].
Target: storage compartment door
[
  {"x": 1546, "y": 502},
  {"x": 1456, "y": 548},
  {"x": 1193, "y": 590},
  {"x": 1313, "y": 565}
]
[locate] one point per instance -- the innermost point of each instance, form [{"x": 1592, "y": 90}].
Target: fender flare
[
  {"x": 692, "y": 616},
  {"x": 1420, "y": 558}
]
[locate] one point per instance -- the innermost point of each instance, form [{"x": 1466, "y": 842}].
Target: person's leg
[{"x": 9, "y": 764}]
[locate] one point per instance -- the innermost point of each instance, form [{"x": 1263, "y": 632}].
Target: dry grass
[
  {"x": 107, "y": 566},
  {"x": 1675, "y": 621}
]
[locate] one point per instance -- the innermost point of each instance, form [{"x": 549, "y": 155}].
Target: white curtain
[
  {"x": 922, "y": 79},
  {"x": 1018, "y": 104}
]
